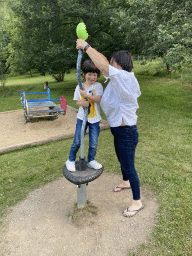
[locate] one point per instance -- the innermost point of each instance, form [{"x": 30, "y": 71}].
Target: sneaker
[
  {"x": 94, "y": 164},
  {"x": 70, "y": 166}
]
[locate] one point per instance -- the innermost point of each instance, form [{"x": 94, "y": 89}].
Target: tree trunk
[
  {"x": 168, "y": 67},
  {"x": 63, "y": 75},
  {"x": 60, "y": 77}
]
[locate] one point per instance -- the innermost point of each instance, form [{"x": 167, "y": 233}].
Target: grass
[
  {"x": 163, "y": 156},
  {"x": 10, "y": 94},
  {"x": 85, "y": 215}
]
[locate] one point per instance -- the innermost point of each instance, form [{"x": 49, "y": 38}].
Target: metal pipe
[{"x": 78, "y": 72}]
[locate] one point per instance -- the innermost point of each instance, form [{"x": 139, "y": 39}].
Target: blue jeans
[
  {"x": 94, "y": 130},
  {"x": 125, "y": 141}
]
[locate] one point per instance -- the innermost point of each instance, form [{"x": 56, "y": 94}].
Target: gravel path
[{"x": 16, "y": 133}]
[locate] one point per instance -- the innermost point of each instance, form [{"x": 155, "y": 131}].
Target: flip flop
[
  {"x": 120, "y": 188},
  {"x": 125, "y": 213}
]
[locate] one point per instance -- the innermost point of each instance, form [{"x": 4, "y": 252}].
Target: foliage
[
  {"x": 102, "y": 21},
  {"x": 38, "y": 42},
  {"x": 178, "y": 56},
  {"x": 159, "y": 28},
  {"x": 2, "y": 73},
  {"x": 137, "y": 25},
  {"x": 41, "y": 35},
  {"x": 4, "y": 35},
  {"x": 3, "y": 57},
  {"x": 174, "y": 31}
]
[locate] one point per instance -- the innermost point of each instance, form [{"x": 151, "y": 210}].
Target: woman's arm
[{"x": 98, "y": 59}]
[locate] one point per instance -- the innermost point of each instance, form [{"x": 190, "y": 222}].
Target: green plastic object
[{"x": 81, "y": 31}]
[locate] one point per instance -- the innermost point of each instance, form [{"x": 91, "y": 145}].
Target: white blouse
[{"x": 119, "y": 100}]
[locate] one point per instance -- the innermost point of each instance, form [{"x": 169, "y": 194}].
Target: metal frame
[{"x": 35, "y": 108}]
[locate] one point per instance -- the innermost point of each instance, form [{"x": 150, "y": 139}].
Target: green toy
[{"x": 81, "y": 31}]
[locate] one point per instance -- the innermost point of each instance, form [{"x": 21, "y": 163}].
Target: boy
[{"x": 91, "y": 95}]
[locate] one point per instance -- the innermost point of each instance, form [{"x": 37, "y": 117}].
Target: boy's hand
[
  {"x": 85, "y": 103},
  {"x": 83, "y": 93},
  {"x": 80, "y": 44}
]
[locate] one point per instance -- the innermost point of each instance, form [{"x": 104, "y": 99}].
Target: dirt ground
[
  {"x": 42, "y": 223},
  {"x": 16, "y": 133}
]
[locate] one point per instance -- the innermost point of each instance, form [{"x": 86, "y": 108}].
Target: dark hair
[
  {"x": 89, "y": 67},
  {"x": 123, "y": 58}
]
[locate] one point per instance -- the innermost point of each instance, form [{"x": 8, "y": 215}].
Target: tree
[
  {"x": 102, "y": 21},
  {"x": 174, "y": 31},
  {"x": 160, "y": 28},
  {"x": 4, "y": 36},
  {"x": 37, "y": 40},
  {"x": 44, "y": 33},
  {"x": 137, "y": 25}
]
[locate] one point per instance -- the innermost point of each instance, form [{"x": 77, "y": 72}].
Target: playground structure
[{"x": 36, "y": 108}]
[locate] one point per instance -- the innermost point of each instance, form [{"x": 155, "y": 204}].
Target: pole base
[
  {"x": 82, "y": 164},
  {"x": 81, "y": 195}
]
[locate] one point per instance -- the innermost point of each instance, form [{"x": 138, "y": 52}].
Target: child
[{"x": 91, "y": 95}]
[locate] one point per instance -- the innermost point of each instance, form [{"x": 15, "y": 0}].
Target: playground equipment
[
  {"x": 36, "y": 108},
  {"x": 83, "y": 174}
]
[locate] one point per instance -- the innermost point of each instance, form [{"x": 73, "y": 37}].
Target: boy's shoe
[
  {"x": 94, "y": 164},
  {"x": 70, "y": 166}
]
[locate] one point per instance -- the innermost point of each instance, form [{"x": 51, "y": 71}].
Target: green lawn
[{"x": 163, "y": 156}]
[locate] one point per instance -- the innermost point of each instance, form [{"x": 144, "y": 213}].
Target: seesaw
[{"x": 36, "y": 108}]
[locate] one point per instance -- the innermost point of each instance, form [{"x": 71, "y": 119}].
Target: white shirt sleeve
[
  {"x": 113, "y": 71},
  {"x": 124, "y": 83},
  {"x": 77, "y": 95}
]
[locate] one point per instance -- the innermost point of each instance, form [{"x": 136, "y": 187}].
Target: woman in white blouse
[{"x": 119, "y": 103}]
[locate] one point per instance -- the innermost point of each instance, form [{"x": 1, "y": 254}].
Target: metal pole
[
  {"x": 81, "y": 195},
  {"x": 78, "y": 70},
  {"x": 81, "y": 190}
]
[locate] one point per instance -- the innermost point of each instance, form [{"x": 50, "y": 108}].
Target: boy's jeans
[{"x": 94, "y": 130}]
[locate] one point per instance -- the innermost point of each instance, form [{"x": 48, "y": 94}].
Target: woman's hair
[
  {"x": 89, "y": 67},
  {"x": 123, "y": 58}
]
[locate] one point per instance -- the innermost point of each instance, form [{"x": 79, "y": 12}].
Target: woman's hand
[
  {"x": 83, "y": 93},
  {"x": 80, "y": 44}
]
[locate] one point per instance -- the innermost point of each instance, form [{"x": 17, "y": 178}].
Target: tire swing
[{"x": 83, "y": 174}]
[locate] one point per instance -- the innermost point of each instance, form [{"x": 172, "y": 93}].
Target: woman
[{"x": 119, "y": 103}]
